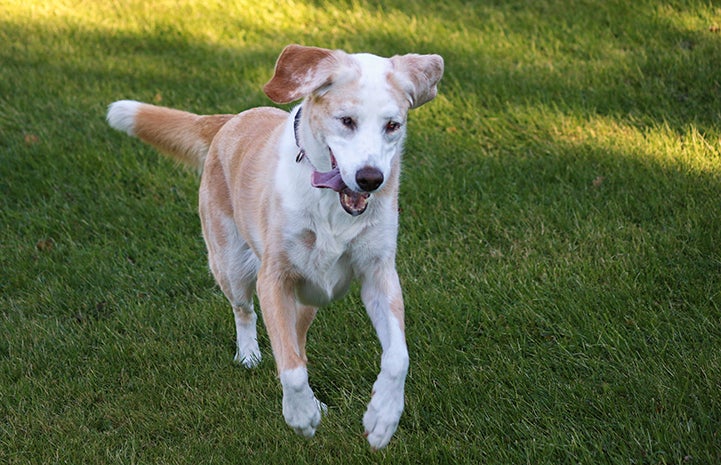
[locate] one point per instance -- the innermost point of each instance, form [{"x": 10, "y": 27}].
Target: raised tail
[{"x": 183, "y": 136}]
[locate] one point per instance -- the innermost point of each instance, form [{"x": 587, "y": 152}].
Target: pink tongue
[{"x": 329, "y": 179}]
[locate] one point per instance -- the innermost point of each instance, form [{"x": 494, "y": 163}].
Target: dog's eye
[
  {"x": 348, "y": 122},
  {"x": 392, "y": 126}
]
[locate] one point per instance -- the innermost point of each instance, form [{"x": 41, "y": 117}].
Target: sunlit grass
[{"x": 558, "y": 247}]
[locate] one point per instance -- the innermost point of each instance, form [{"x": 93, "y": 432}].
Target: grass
[{"x": 558, "y": 250}]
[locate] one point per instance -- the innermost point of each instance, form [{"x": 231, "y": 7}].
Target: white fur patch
[
  {"x": 301, "y": 409},
  {"x": 121, "y": 115},
  {"x": 248, "y": 352},
  {"x": 386, "y": 406}
]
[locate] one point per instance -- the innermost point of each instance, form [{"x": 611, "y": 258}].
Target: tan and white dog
[{"x": 295, "y": 206}]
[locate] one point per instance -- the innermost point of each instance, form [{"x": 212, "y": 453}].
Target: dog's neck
[{"x": 329, "y": 179}]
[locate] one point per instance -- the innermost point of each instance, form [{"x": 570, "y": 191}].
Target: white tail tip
[{"x": 121, "y": 115}]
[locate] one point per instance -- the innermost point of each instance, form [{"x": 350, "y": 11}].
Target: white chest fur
[{"x": 323, "y": 256}]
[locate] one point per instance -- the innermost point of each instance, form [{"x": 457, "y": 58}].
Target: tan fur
[
  {"x": 182, "y": 135},
  {"x": 301, "y": 70}
]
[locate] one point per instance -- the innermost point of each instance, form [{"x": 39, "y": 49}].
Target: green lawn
[{"x": 560, "y": 244}]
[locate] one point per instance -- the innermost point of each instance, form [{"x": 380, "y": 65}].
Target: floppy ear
[
  {"x": 299, "y": 71},
  {"x": 418, "y": 76}
]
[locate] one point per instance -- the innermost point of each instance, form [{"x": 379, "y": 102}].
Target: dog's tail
[{"x": 183, "y": 136}]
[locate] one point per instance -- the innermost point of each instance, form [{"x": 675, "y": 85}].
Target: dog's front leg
[
  {"x": 302, "y": 411},
  {"x": 381, "y": 294}
]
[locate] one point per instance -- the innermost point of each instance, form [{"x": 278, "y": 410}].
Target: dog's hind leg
[
  {"x": 234, "y": 267},
  {"x": 232, "y": 261},
  {"x": 247, "y": 352},
  {"x": 242, "y": 289}
]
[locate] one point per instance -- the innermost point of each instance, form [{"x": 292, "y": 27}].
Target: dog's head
[{"x": 355, "y": 108}]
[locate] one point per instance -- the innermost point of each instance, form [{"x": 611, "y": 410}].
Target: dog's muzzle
[{"x": 354, "y": 203}]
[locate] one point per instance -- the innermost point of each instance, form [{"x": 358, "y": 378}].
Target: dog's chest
[{"x": 325, "y": 261}]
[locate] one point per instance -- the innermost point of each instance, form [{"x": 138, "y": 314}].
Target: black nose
[{"x": 369, "y": 178}]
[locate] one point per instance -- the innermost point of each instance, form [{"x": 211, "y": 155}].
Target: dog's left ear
[
  {"x": 299, "y": 71},
  {"x": 419, "y": 76}
]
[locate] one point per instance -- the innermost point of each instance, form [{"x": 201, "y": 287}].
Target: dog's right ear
[{"x": 299, "y": 71}]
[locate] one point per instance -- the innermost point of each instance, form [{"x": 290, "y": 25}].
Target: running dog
[{"x": 294, "y": 206}]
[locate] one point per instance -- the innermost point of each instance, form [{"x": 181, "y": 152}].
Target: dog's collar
[{"x": 296, "y": 125}]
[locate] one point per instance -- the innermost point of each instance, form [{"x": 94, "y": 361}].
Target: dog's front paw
[
  {"x": 383, "y": 414},
  {"x": 301, "y": 410}
]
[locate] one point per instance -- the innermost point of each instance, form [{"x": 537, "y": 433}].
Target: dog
[{"x": 295, "y": 205}]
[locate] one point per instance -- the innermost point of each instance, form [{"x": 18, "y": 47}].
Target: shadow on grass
[{"x": 628, "y": 62}]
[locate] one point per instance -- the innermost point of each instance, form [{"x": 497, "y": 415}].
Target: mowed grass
[{"x": 559, "y": 245}]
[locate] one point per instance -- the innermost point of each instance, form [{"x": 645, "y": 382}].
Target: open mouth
[{"x": 354, "y": 203}]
